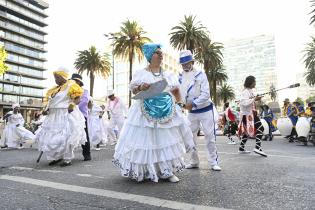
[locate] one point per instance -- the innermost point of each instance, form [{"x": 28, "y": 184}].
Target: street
[{"x": 284, "y": 180}]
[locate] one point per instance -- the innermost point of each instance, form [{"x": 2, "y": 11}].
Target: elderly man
[
  {"x": 83, "y": 106},
  {"x": 117, "y": 112},
  {"x": 194, "y": 87}
]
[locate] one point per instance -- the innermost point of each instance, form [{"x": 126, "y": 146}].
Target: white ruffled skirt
[
  {"x": 148, "y": 151},
  {"x": 61, "y": 133},
  {"x": 14, "y": 136},
  {"x": 97, "y": 130}
]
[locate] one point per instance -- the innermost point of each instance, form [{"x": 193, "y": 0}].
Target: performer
[
  {"x": 300, "y": 109},
  {"x": 83, "y": 106},
  {"x": 97, "y": 132},
  {"x": 63, "y": 129},
  {"x": 14, "y": 132},
  {"x": 250, "y": 125},
  {"x": 230, "y": 126},
  {"x": 291, "y": 112},
  {"x": 117, "y": 112},
  {"x": 267, "y": 115},
  {"x": 194, "y": 88},
  {"x": 153, "y": 139}
]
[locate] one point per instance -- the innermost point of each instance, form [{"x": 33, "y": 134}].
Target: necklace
[{"x": 156, "y": 74}]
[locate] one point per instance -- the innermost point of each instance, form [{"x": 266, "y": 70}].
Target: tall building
[
  {"x": 22, "y": 33},
  {"x": 251, "y": 56}
]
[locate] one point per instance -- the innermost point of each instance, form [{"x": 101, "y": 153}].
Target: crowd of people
[{"x": 151, "y": 136}]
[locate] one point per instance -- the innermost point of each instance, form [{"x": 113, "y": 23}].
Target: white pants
[
  {"x": 207, "y": 122},
  {"x": 115, "y": 121}
]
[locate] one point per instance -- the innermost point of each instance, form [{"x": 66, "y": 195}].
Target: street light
[{"x": 111, "y": 36}]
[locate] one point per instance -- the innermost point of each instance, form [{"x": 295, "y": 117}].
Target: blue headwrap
[{"x": 149, "y": 49}]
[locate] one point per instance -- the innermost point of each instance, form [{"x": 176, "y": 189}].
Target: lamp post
[{"x": 111, "y": 36}]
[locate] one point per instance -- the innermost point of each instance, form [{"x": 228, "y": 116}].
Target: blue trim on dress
[{"x": 205, "y": 109}]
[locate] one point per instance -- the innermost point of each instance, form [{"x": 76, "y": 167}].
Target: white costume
[
  {"x": 14, "y": 133},
  {"x": 61, "y": 132},
  {"x": 149, "y": 149},
  {"x": 97, "y": 130},
  {"x": 118, "y": 112},
  {"x": 195, "y": 89}
]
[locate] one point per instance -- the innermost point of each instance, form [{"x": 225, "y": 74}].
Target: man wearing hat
[
  {"x": 291, "y": 112},
  {"x": 117, "y": 112},
  {"x": 83, "y": 106},
  {"x": 194, "y": 87}
]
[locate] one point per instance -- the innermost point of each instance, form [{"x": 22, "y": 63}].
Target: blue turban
[{"x": 149, "y": 49}]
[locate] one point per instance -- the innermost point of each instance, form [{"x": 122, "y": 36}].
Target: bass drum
[
  {"x": 303, "y": 127},
  {"x": 284, "y": 126},
  {"x": 265, "y": 125}
]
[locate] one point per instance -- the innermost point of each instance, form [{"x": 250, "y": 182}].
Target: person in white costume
[
  {"x": 63, "y": 128},
  {"x": 194, "y": 87},
  {"x": 97, "y": 131},
  {"x": 155, "y": 135},
  {"x": 117, "y": 112},
  {"x": 14, "y": 132}
]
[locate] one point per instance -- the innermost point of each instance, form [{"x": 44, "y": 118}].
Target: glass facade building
[{"x": 22, "y": 33}]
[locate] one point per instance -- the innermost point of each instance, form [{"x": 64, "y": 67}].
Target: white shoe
[
  {"x": 22, "y": 147},
  {"x": 260, "y": 152},
  {"x": 190, "y": 166},
  {"x": 173, "y": 179},
  {"x": 216, "y": 168},
  {"x": 243, "y": 152},
  {"x": 97, "y": 149},
  {"x": 232, "y": 142},
  {"x": 113, "y": 143}
]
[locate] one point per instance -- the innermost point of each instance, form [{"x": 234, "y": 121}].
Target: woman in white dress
[
  {"x": 97, "y": 131},
  {"x": 14, "y": 132},
  {"x": 155, "y": 135},
  {"x": 63, "y": 128}
]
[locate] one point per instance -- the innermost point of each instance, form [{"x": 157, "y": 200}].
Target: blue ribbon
[
  {"x": 159, "y": 107},
  {"x": 185, "y": 59}
]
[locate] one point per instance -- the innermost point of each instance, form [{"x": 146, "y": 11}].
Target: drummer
[
  {"x": 268, "y": 115},
  {"x": 291, "y": 112},
  {"x": 300, "y": 109}
]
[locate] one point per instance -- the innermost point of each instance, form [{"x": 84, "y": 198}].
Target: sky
[{"x": 75, "y": 25}]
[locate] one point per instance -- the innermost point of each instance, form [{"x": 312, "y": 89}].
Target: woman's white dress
[
  {"x": 97, "y": 130},
  {"x": 61, "y": 132},
  {"x": 13, "y": 135},
  {"x": 151, "y": 150}
]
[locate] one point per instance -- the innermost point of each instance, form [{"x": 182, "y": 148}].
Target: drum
[
  {"x": 303, "y": 127},
  {"x": 265, "y": 125},
  {"x": 285, "y": 126}
]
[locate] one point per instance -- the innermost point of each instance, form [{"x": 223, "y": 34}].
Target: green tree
[
  {"x": 94, "y": 63},
  {"x": 210, "y": 55},
  {"x": 3, "y": 58},
  {"x": 225, "y": 93},
  {"x": 310, "y": 99},
  {"x": 188, "y": 34},
  {"x": 273, "y": 93},
  {"x": 128, "y": 44},
  {"x": 309, "y": 61}
]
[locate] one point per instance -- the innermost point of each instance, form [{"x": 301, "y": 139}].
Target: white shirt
[
  {"x": 247, "y": 101},
  {"x": 117, "y": 108}
]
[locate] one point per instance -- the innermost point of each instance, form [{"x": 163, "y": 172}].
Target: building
[
  {"x": 22, "y": 33},
  {"x": 251, "y": 56},
  {"x": 121, "y": 73}
]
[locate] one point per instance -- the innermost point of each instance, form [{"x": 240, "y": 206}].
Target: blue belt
[{"x": 204, "y": 109}]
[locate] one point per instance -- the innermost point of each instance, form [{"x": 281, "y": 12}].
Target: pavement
[{"x": 284, "y": 180}]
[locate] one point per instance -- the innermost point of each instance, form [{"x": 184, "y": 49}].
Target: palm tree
[
  {"x": 226, "y": 93},
  {"x": 93, "y": 63},
  {"x": 312, "y": 12},
  {"x": 189, "y": 34},
  {"x": 273, "y": 93},
  {"x": 309, "y": 61},
  {"x": 128, "y": 44},
  {"x": 210, "y": 55}
]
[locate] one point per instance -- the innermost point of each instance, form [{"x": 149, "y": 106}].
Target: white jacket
[
  {"x": 247, "y": 102},
  {"x": 197, "y": 92}
]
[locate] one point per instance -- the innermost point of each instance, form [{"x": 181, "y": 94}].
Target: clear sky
[{"x": 77, "y": 24}]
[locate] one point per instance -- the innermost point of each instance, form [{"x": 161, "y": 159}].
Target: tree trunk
[
  {"x": 91, "y": 84},
  {"x": 130, "y": 76}
]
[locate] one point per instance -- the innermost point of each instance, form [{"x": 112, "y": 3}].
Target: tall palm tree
[
  {"x": 93, "y": 63},
  {"x": 210, "y": 55},
  {"x": 312, "y": 12},
  {"x": 189, "y": 34},
  {"x": 128, "y": 44},
  {"x": 309, "y": 61},
  {"x": 225, "y": 93}
]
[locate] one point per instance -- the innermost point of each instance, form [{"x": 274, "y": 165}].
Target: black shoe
[
  {"x": 54, "y": 162},
  {"x": 5, "y": 146},
  {"x": 87, "y": 158},
  {"x": 64, "y": 164}
]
